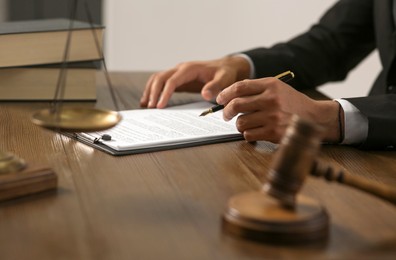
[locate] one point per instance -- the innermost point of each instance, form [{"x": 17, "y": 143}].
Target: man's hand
[
  {"x": 266, "y": 106},
  {"x": 209, "y": 77}
]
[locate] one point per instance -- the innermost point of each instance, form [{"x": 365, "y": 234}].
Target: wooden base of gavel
[
  {"x": 18, "y": 179},
  {"x": 277, "y": 214}
]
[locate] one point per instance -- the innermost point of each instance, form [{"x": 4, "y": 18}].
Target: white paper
[{"x": 143, "y": 128}]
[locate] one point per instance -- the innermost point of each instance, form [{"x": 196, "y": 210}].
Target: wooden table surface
[{"x": 168, "y": 204}]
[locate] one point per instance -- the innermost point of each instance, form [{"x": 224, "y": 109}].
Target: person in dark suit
[{"x": 348, "y": 32}]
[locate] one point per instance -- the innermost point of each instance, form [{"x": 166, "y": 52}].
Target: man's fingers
[
  {"x": 156, "y": 87},
  {"x": 145, "y": 96}
]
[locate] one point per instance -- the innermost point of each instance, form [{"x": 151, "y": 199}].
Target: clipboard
[
  {"x": 151, "y": 130},
  {"x": 104, "y": 148}
]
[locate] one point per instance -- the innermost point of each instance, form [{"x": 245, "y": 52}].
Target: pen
[{"x": 285, "y": 77}]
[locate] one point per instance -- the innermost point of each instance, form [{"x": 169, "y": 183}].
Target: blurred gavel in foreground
[
  {"x": 277, "y": 213},
  {"x": 18, "y": 179}
]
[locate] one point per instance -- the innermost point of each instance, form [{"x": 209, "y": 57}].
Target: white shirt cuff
[
  {"x": 355, "y": 123},
  {"x": 249, "y": 60}
]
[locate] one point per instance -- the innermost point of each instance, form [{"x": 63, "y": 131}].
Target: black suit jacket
[{"x": 343, "y": 37}]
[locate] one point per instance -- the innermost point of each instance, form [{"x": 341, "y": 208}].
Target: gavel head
[{"x": 293, "y": 160}]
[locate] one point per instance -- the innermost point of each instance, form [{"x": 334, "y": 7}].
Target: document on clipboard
[{"x": 148, "y": 130}]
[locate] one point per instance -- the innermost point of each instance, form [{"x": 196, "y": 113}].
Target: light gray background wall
[{"x": 156, "y": 35}]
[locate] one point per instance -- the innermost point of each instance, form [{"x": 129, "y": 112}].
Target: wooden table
[{"x": 168, "y": 205}]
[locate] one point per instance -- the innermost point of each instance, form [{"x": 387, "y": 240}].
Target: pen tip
[{"x": 204, "y": 113}]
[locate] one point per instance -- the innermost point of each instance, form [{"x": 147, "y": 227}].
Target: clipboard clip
[{"x": 104, "y": 137}]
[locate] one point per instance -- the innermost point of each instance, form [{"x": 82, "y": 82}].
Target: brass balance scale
[{"x": 16, "y": 177}]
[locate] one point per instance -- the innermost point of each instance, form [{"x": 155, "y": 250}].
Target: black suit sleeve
[
  {"x": 381, "y": 114},
  {"x": 342, "y": 38}
]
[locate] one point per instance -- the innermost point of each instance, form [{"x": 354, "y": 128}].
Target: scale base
[
  {"x": 31, "y": 180},
  {"x": 257, "y": 216}
]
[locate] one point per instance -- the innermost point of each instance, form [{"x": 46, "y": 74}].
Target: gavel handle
[{"x": 332, "y": 173}]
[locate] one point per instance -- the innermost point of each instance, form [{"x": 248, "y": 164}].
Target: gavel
[
  {"x": 295, "y": 159},
  {"x": 278, "y": 213}
]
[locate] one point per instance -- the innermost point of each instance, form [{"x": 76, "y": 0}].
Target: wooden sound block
[
  {"x": 31, "y": 180},
  {"x": 257, "y": 216}
]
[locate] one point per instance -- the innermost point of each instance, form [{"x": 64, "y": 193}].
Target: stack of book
[{"x": 32, "y": 54}]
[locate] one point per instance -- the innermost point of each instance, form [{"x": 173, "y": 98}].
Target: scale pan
[{"x": 76, "y": 119}]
